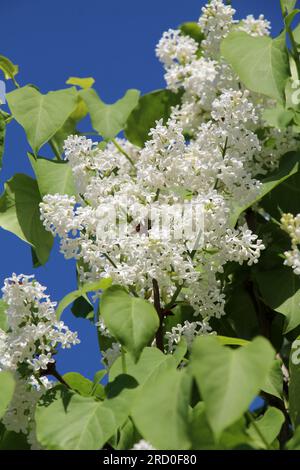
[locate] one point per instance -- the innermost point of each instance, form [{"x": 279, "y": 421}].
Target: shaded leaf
[
  {"x": 102, "y": 284},
  {"x": 280, "y": 290},
  {"x": 151, "y": 107},
  {"x": 19, "y": 214},
  {"x": 53, "y": 176}
]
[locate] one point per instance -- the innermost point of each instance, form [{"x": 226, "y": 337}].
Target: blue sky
[{"x": 112, "y": 41}]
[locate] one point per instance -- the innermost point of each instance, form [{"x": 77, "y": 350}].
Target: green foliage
[
  {"x": 53, "y": 177},
  {"x": 150, "y": 108},
  {"x": 294, "y": 386},
  {"x": 9, "y": 69},
  {"x": 197, "y": 394},
  {"x": 274, "y": 382},
  {"x": 40, "y": 115},
  {"x": 289, "y": 5},
  {"x": 203, "y": 438},
  {"x": 69, "y": 127},
  {"x": 269, "y": 427},
  {"x": 260, "y": 62},
  {"x": 289, "y": 166},
  {"x": 3, "y": 317},
  {"x": 278, "y": 117},
  {"x": 229, "y": 379},
  {"x": 10, "y": 440},
  {"x": 109, "y": 119},
  {"x": 171, "y": 389},
  {"x": 103, "y": 284},
  {"x": 19, "y": 214},
  {"x": 84, "y": 386},
  {"x": 280, "y": 289},
  {"x": 294, "y": 443},
  {"x": 151, "y": 360},
  {"x": 70, "y": 421},
  {"x": 192, "y": 29},
  {"x": 84, "y": 83},
  {"x": 131, "y": 320},
  {"x": 7, "y": 386}
]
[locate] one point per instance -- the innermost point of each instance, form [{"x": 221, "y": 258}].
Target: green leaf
[
  {"x": 203, "y": 438},
  {"x": 229, "y": 379},
  {"x": 20, "y": 214},
  {"x": 84, "y": 83},
  {"x": 102, "y": 284},
  {"x": 180, "y": 351},
  {"x": 2, "y": 137},
  {"x": 131, "y": 320},
  {"x": 41, "y": 116},
  {"x": 294, "y": 442},
  {"x": 69, "y": 127},
  {"x": 278, "y": 117},
  {"x": 289, "y": 5},
  {"x": 151, "y": 107},
  {"x": 3, "y": 317},
  {"x": 11, "y": 440},
  {"x": 224, "y": 340},
  {"x": 128, "y": 436},
  {"x": 82, "y": 308},
  {"x": 191, "y": 28},
  {"x": 84, "y": 386},
  {"x": 52, "y": 176},
  {"x": 71, "y": 422},
  {"x": 161, "y": 408},
  {"x": 274, "y": 382},
  {"x": 7, "y": 387},
  {"x": 261, "y": 62},
  {"x": 289, "y": 165},
  {"x": 8, "y": 68},
  {"x": 97, "y": 378},
  {"x": 241, "y": 313},
  {"x": 151, "y": 360},
  {"x": 109, "y": 119},
  {"x": 269, "y": 426},
  {"x": 284, "y": 198},
  {"x": 294, "y": 385},
  {"x": 280, "y": 290},
  {"x": 296, "y": 34}
]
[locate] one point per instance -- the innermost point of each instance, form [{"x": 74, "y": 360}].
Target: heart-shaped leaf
[
  {"x": 40, "y": 115},
  {"x": 131, "y": 320},
  {"x": 229, "y": 379}
]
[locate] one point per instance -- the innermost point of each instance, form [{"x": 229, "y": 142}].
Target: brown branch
[
  {"x": 159, "y": 334},
  {"x": 51, "y": 370}
]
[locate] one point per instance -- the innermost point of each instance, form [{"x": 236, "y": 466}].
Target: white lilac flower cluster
[
  {"x": 291, "y": 225},
  {"x": 143, "y": 445},
  {"x": 216, "y": 168},
  {"x": 255, "y": 27},
  {"x": 204, "y": 76},
  {"x": 188, "y": 331},
  {"x": 28, "y": 347}
]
